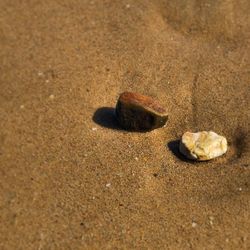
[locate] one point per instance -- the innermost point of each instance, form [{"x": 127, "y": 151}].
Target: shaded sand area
[{"x": 70, "y": 178}]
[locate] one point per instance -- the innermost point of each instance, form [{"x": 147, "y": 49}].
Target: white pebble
[
  {"x": 194, "y": 224},
  {"x": 94, "y": 129},
  {"x": 108, "y": 184},
  {"x": 51, "y": 97},
  {"x": 211, "y": 219},
  {"x": 202, "y": 146}
]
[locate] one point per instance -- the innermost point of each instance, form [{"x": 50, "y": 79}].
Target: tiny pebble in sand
[{"x": 194, "y": 224}]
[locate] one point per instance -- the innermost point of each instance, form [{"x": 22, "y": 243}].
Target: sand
[{"x": 70, "y": 178}]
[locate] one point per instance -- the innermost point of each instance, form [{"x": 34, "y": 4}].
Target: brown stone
[{"x": 139, "y": 112}]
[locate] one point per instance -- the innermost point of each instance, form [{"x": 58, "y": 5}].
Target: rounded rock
[{"x": 202, "y": 146}]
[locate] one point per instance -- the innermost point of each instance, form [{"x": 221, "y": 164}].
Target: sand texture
[{"x": 70, "y": 178}]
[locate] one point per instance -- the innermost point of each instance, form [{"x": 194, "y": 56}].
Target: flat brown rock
[{"x": 139, "y": 112}]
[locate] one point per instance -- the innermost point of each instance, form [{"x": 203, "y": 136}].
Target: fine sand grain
[{"x": 70, "y": 178}]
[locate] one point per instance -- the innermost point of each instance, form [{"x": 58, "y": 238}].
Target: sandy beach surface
[{"x": 70, "y": 177}]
